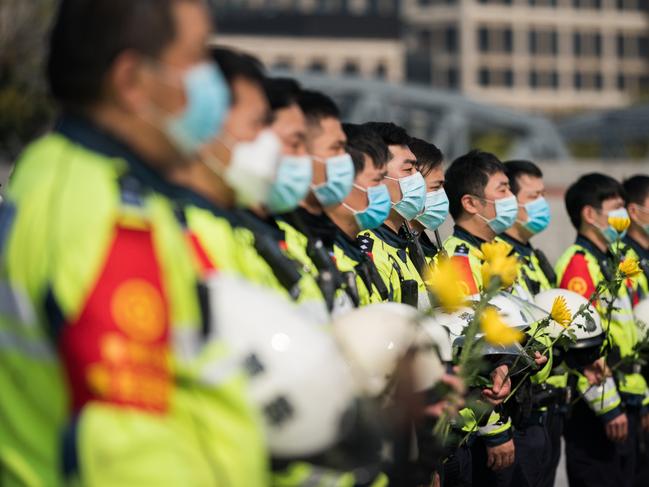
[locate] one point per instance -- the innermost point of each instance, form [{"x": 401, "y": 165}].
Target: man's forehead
[{"x": 526, "y": 181}]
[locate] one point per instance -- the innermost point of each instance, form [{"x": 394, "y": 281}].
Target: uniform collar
[
  {"x": 586, "y": 243},
  {"x": 347, "y": 245},
  {"x": 391, "y": 238},
  {"x": 429, "y": 248},
  {"x": 261, "y": 225},
  {"x": 525, "y": 249},
  {"x": 635, "y": 245},
  {"x": 81, "y": 130},
  {"x": 313, "y": 226},
  {"x": 467, "y": 237}
]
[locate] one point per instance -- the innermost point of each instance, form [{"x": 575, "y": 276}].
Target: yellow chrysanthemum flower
[
  {"x": 496, "y": 331},
  {"x": 477, "y": 253},
  {"x": 560, "y": 312},
  {"x": 445, "y": 282},
  {"x": 505, "y": 268},
  {"x": 629, "y": 267},
  {"x": 619, "y": 223},
  {"x": 495, "y": 249}
]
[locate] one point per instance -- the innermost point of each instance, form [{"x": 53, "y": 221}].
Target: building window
[
  {"x": 576, "y": 44},
  {"x": 381, "y": 71},
  {"x": 578, "y": 82},
  {"x": 599, "y": 81},
  {"x": 453, "y": 79},
  {"x": 587, "y": 44},
  {"x": 450, "y": 39},
  {"x": 495, "y": 39},
  {"x": 544, "y": 42},
  {"x": 621, "y": 82},
  {"x": 317, "y": 66},
  {"x": 350, "y": 68},
  {"x": 483, "y": 39},
  {"x": 507, "y": 40},
  {"x": 496, "y": 77},
  {"x": 508, "y": 78},
  {"x": 484, "y": 77},
  {"x": 544, "y": 79},
  {"x": 282, "y": 64},
  {"x": 554, "y": 79}
]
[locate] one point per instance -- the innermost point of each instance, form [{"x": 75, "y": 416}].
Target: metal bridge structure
[
  {"x": 612, "y": 133},
  {"x": 447, "y": 119}
]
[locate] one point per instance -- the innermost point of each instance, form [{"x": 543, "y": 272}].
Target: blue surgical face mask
[
  {"x": 608, "y": 232},
  {"x": 377, "y": 209},
  {"x": 506, "y": 212},
  {"x": 538, "y": 215},
  {"x": 435, "y": 209},
  {"x": 413, "y": 190},
  {"x": 340, "y": 177},
  {"x": 291, "y": 184},
  {"x": 208, "y": 100}
]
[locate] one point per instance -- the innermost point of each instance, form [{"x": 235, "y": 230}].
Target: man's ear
[
  {"x": 470, "y": 204},
  {"x": 125, "y": 81},
  {"x": 589, "y": 215},
  {"x": 633, "y": 211}
]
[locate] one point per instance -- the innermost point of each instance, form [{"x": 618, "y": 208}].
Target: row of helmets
[{"x": 310, "y": 380}]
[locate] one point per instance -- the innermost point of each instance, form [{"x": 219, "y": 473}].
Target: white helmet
[
  {"x": 641, "y": 313},
  {"x": 512, "y": 315},
  {"x": 298, "y": 377},
  {"x": 587, "y": 331},
  {"x": 449, "y": 326},
  {"x": 375, "y": 338}
]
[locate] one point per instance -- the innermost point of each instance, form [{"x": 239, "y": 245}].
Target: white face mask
[{"x": 252, "y": 168}]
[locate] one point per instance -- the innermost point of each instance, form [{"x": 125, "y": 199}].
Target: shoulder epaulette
[
  {"x": 365, "y": 243},
  {"x": 461, "y": 249}
]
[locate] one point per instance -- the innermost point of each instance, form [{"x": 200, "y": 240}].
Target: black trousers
[
  {"x": 554, "y": 427},
  {"x": 532, "y": 455},
  {"x": 591, "y": 459},
  {"x": 457, "y": 470},
  {"x": 642, "y": 462}
]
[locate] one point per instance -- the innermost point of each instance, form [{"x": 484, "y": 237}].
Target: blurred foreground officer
[
  {"x": 601, "y": 430},
  {"x": 100, "y": 383},
  {"x": 388, "y": 244}
]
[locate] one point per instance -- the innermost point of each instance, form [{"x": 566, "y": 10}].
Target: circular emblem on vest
[
  {"x": 138, "y": 309},
  {"x": 578, "y": 285}
]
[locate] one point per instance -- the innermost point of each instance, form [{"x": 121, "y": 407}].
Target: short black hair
[
  {"x": 469, "y": 174},
  {"x": 590, "y": 190},
  {"x": 518, "y": 167},
  {"x": 317, "y": 106},
  {"x": 358, "y": 159},
  {"x": 236, "y": 64},
  {"x": 281, "y": 93},
  {"x": 391, "y": 133},
  {"x": 636, "y": 189},
  {"x": 368, "y": 142},
  {"x": 88, "y": 35},
  {"x": 428, "y": 156}
]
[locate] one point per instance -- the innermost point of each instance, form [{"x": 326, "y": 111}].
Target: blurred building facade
[{"x": 547, "y": 55}]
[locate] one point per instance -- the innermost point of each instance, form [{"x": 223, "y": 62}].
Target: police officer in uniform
[
  {"x": 482, "y": 206},
  {"x": 537, "y": 455},
  {"x": 102, "y": 308},
  {"x": 601, "y": 430}
]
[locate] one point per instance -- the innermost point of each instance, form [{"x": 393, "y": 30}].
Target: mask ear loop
[
  {"x": 352, "y": 210},
  {"x": 214, "y": 163}
]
